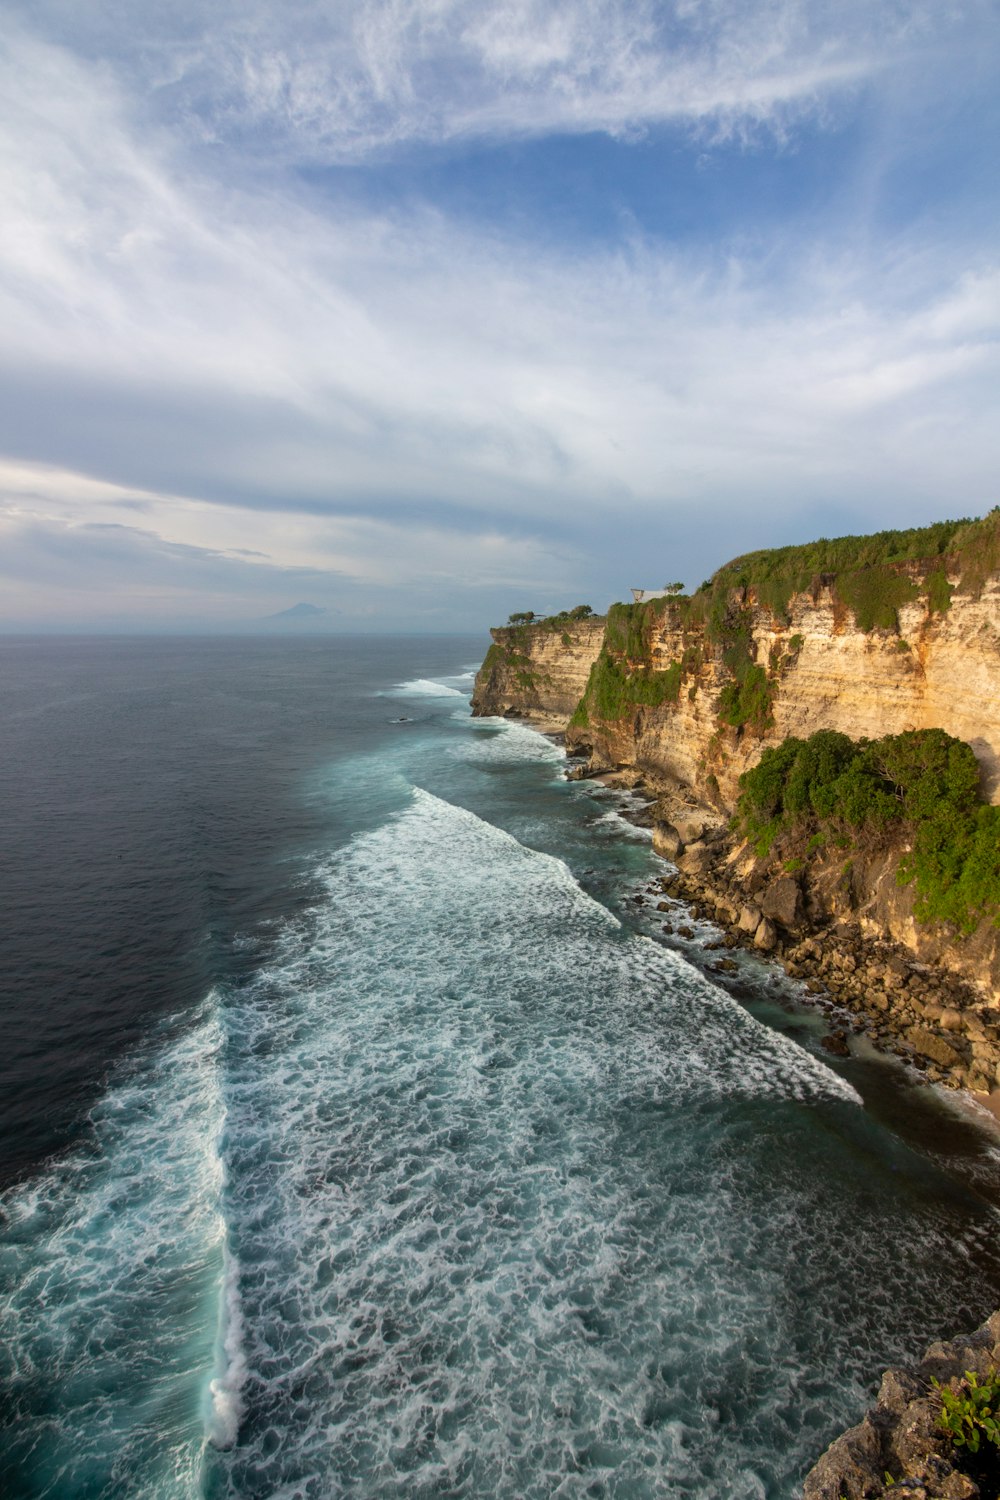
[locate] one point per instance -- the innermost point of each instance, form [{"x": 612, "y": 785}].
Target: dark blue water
[{"x": 362, "y": 1137}]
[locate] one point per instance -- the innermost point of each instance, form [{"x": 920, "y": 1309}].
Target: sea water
[{"x": 364, "y": 1137}]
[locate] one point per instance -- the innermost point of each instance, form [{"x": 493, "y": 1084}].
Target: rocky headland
[
  {"x": 841, "y": 647},
  {"x": 817, "y": 733}
]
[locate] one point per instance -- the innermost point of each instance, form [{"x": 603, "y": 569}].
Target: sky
[{"x": 425, "y": 311}]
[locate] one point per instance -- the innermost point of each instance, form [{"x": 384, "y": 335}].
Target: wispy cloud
[
  {"x": 339, "y": 82},
  {"x": 224, "y": 362}
]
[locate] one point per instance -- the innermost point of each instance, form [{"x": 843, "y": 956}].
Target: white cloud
[
  {"x": 389, "y": 396},
  {"x": 340, "y": 81},
  {"x": 100, "y": 547}
]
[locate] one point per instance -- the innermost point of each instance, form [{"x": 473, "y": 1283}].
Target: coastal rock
[
  {"x": 935, "y": 1047},
  {"x": 749, "y": 919},
  {"x": 766, "y": 936},
  {"x": 690, "y": 826},
  {"x": 667, "y": 840},
  {"x": 782, "y": 902},
  {"x": 696, "y": 859},
  {"x": 898, "y": 1448}
]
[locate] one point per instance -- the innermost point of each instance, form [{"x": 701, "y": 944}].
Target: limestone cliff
[
  {"x": 865, "y": 636},
  {"x": 816, "y": 669},
  {"x": 538, "y": 671}
]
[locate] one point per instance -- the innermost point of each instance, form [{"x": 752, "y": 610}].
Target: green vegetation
[
  {"x": 613, "y": 690},
  {"x": 580, "y": 718},
  {"x": 870, "y": 575},
  {"x": 551, "y": 622},
  {"x": 972, "y": 1412},
  {"x": 513, "y": 657},
  {"x": 939, "y": 591},
  {"x": 922, "y": 785},
  {"x": 623, "y": 677}
]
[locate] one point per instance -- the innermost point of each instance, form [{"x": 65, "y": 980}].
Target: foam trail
[
  {"x": 520, "y": 1200},
  {"x": 226, "y": 1404},
  {"x": 423, "y": 687},
  {"x": 110, "y": 1266}
]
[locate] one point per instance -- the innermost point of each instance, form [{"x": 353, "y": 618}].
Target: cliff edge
[{"x": 867, "y": 653}]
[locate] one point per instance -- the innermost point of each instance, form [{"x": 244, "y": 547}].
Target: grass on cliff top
[
  {"x": 921, "y": 786},
  {"x": 872, "y": 575}
]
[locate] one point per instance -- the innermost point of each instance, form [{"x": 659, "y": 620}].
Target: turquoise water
[{"x": 459, "y": 1182}]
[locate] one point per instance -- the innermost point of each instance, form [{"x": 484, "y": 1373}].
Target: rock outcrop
[
  {"x": 688, "y": 693},
  {"x": 899, "y": 1447},
  {"x": 538, "y": 672}
]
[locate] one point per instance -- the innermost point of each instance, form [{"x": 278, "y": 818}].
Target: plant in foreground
[{"x": 972, "y": 1411}]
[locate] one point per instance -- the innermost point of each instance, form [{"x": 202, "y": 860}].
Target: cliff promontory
[
  {"x": 539, "y": 671},
  {"x": 820, "y": 726}
]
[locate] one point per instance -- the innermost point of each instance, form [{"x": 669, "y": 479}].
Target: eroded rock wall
[
  {"x": 538, "y": 672},
  {"x": 940, "y": 671}
]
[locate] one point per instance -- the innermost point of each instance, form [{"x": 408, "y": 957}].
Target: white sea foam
[
  {"x": 111, "y": 1266},
  {"x": 515, "y": 742},
  {"x": 226, "y": 1403},
  {"x": 525, "y": 1205},
  {"x": 423, "y": 687}
]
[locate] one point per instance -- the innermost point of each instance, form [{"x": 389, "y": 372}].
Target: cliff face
[
  {"x": 823, "y": 672},
  {"x": 941, "y": 670},
  {"x": 689, "y": 692},
  {"x": 538, "y": 672}
]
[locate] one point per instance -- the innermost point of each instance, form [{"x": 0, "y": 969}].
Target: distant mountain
[{"x": 299, "y": 612}]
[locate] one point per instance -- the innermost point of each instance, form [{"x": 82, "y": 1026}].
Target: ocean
[{"x": 362, "y": 1136}]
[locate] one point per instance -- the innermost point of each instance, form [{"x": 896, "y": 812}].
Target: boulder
[
  {"x": 750, "y": 919},
  {"x": 690, "y": 826},
  {"x": 766, "y": 936},
  {"x": 782, "y": 902},
  {"x": 933, "y": 1046},
  {"x": 696, "y": 859},
  {"x": 667, "y": 841}
]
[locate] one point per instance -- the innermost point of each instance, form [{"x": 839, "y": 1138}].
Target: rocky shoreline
[
  {"x": 930, "y": 1018},
  {"x": 937, "y": 1023}
]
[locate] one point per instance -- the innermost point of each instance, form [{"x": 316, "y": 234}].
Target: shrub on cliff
[
  {"x": 922, "y": 785},
  {"x": 871, "y": 575}
]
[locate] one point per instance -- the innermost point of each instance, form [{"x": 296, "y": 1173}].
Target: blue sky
[{"x": 424, "y": 310}]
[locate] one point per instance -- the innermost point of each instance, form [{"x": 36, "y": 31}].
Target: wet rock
[
  {"x": 933, "y": 1046},
  {"x": 836, "y": 1043}
]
